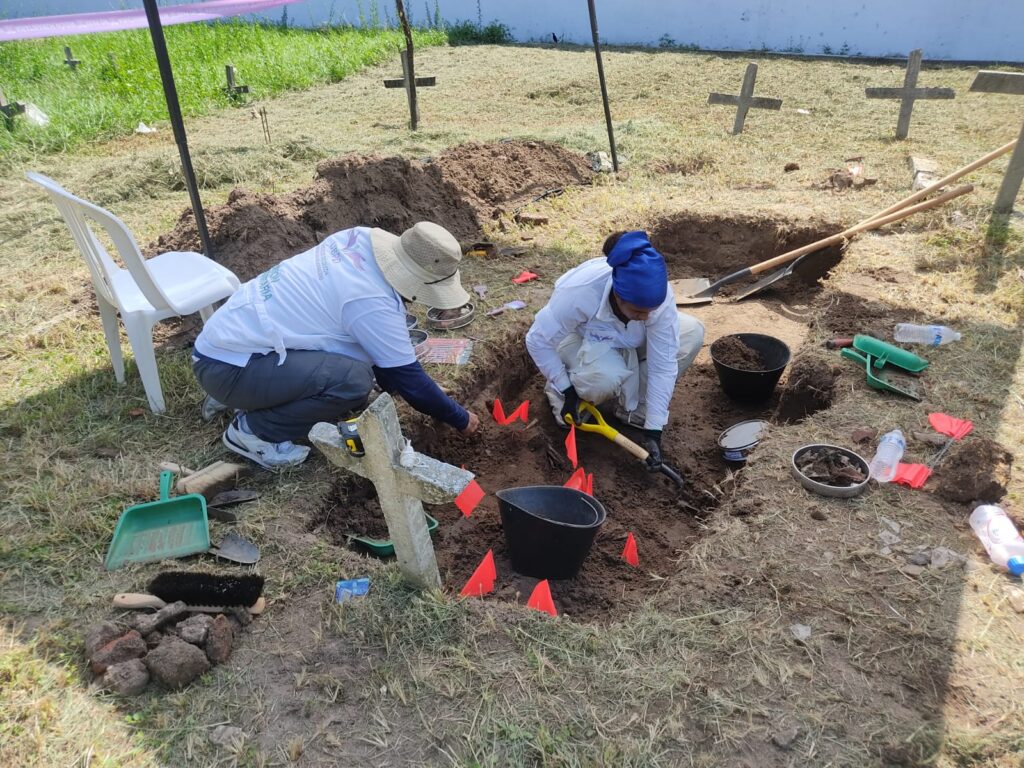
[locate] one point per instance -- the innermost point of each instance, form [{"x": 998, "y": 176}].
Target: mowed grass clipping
[{"x": 117, "y": 83}]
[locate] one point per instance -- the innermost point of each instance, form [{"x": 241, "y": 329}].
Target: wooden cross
[
  {"x": 9, "y": 110},
  {"x": 1010, "y": 83},
  {"x": 745, "y": 100},
  {"x": 909, "y": 93},
  {"x": 233, "y": 91},
  {"x": 410, "y": 85},
  {"x": 70, "y": 60},
  {"x": 401, "y": 489}
]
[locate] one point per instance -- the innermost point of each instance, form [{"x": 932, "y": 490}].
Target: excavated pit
[{"x": 664, "y": 520}]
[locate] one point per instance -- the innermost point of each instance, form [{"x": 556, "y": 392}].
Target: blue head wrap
[{"x": 639, "y": 274}]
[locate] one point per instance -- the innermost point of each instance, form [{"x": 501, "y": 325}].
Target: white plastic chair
[{"x": 173, "y": 284}]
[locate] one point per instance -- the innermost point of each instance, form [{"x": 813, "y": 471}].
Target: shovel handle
[
  {"x": 624, "y": 442},
  {"x": 839, "y": 343}
]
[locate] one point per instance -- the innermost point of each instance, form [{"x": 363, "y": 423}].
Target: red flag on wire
[
  {"x": 471, "y": 496},
  {"x": 482, "y": 581},
  {"x": 521, "y": 413},
  {"x": 540, "y": 599},
  {"x": 629, "y": 553},
  {"x": 570, "y": 446}
]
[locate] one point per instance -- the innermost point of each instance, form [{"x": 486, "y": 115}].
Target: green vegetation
[
  {"x": 117, "y": 83},
  {"x": 469, "y": 33}
]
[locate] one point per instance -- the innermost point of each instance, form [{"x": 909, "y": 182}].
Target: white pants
[{"x": 600, "y": 373}]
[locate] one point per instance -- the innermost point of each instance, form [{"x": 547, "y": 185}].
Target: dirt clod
[
  {"x": 863, "y": 435},
  {"x": 128, "y": 646},
  {"x": 809, "y": 388},
  {"x": 128, "y": 678},
  {"x": 790, "y": 167},
  {"x": 172, "y": 612},
  {"x": 195, "y": 628},
  {"x": 99, "y": 635},
  {"x": 175, "y": 663},
  {"x": 785, "y": 739},
  {"x": 219, "y": 639},
  {"x": 977, "y": 469},
  {"x": 733, "y": 352}
]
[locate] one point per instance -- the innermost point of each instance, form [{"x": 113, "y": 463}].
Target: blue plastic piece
[
  {"x": 1015, "y": 565},
  {"x": 349, "y": 588}
]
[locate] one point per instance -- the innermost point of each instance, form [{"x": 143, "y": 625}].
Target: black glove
[
  {"x": 571, "y": 406},
  {"x": 652, "y": 444}
]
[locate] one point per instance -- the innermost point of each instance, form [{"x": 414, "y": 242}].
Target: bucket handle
[{"x": 166, "y": 478}]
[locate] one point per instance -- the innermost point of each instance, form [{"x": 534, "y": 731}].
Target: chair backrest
[{"x": 78, "y": 214}]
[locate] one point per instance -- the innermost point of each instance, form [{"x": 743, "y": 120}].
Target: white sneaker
[
  {"x": 211, "y": 408},
  {"x": 239, "y": 439}
]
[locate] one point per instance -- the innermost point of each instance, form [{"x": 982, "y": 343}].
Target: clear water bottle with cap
[
  {"x": 932, "y": 335},
  {"x": 1000, "y": 536},
  {"x": 890, "y": 451}
]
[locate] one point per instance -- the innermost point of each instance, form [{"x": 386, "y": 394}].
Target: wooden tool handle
[
  {"x": 864, "y": 226},
  {"x": 135, "y": 601},
  {"x": 629, "y": 445},
  {"x": 954, "y": 176}
]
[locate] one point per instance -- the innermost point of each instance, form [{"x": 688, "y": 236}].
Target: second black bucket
[
  {"x": 753, "y": 386},
  {"x": 549, "y": 529}
]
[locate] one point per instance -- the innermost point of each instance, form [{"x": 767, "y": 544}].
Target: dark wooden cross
[
  {"x": 9, "y": 110},
  {"x": 233, "y": 91},
  {"x": 909, "y": 93},
  {"x": 1012, "y": 84},
  {"x": 70, "y": 60},
  {"x": 410, "y": 83},
  {"x": 745, "y": 100}
]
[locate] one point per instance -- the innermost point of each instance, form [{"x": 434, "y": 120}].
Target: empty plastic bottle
[
  {"x": 1000, "y": 536},
  {"x": 932, "y": 335},
  {"x": 890, "y": 451}
]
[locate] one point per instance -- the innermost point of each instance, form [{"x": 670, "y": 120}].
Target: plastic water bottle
[
  {"x": 890, "y": 451},
  {"x": 932, "y": 335},
  {"x": 1000, "y": 537}
]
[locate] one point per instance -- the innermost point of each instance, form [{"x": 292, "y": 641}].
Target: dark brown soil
[
  {"x": 460, "y": 189},
  {"x": 733, "y": 352},
  {"x": 847, "y": 315},
  {"x": 715, "y": 246},
  {"x": 977, "y": 469},
  {"x": 351, "y": 509},
  {"x": 810, "y": 387}
]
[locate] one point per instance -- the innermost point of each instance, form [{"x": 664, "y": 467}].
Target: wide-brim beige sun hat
[{"x": 422, "y": 264}]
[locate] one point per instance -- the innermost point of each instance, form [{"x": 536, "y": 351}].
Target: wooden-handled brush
[{"x": 201, "y": 592}]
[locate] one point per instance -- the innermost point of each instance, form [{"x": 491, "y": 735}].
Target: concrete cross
[
  {"x": 745, "y": 100},
  {"x": 410, "y": 84},
  {"x": 1011, "y": 83},
  {"x": 909, "y": 93},
  {"x": 233, "y": 91},
  {"x": 401, "y": 489}
]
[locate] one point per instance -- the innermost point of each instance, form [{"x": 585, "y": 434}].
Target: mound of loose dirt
[
  {"x": 460, "y": 189},
  {"x": 977, "y": 469},
  {"x": 733, "y": 352},
  {"x": 810, "y": 388},
  {"x": 351, "y": 509},
  {"x": 846, "y": 314}
]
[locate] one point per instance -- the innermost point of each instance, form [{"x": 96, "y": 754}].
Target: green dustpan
[
  {"x": 885, "y": 379},
  {"x": 384, "y": 547},
  {"x": 168, "y": 528},
  {"x": 889, "y": 354}
]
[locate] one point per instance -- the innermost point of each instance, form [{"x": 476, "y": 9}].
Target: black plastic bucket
[
  {"x": 753, "y": 386},
  {"x": 549, "y": 529}
]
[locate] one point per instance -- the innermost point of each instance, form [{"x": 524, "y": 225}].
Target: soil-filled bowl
[
  {"x": 753, "y": 379},
  {"x": 419, "y": 340},
  {"x": 549, "y": 529},
  {"x": 836, "y": 491}
]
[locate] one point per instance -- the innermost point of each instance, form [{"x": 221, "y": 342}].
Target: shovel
[
  {"x": 884, "y": 378},
  {"x": 705, "y": 294},
  {"x": 601, "y": 427}
]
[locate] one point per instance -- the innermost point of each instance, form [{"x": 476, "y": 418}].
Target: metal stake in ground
[
  {"x": 409, "y": 80},
  {"x": 70, "y": 60},
  {"x": 745, "y": 100},
  {"x": 909, "y": 93},
  {"x": 604, "y": 86},
  {"x": 400, "y": 489},
  {"x": 1011, "y": 83}
]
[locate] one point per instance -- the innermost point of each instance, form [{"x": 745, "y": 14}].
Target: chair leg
[
  {"x": 140, "y": 334},
  {"x": 108, "y": 315}
]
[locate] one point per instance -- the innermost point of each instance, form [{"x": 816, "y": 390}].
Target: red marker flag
[
  {"x": 524, "y": 277},
  {"x": 570, "y": 446},
  {"x": 469, "y": 498},
  {"x": 540, "y": 599},
  {"x": 482, "y": 581},
  {"x": 629, "y": 553},
  {"x": 520, "y": 413}
]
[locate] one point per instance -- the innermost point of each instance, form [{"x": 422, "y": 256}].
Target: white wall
[{"x": 988, "y": 30}]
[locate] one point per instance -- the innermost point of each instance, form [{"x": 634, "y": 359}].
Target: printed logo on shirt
[
  {"x": 599, "y": 336},
  {"x": 272, "y": 275}
]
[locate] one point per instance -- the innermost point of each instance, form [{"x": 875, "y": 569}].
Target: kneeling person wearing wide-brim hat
[
  {"x": 304, "y": 341},
  {"x": 611, "y": 331}
]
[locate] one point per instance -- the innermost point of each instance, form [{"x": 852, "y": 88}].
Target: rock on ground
[
  {"x": 129, "y": 678},
  {"x": 99, "y": 635},
  {"x": 128, "y": 646},
  {"x": 194, "y": 629},
  {"x": 218, "y": 641},
  {"x": 227, "y": 736},
  {"x": 172, "y": 612},
  {"x": 175, "y": 663}
]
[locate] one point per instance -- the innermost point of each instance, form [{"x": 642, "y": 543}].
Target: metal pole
[
  {"x": 604, "y": 87},
  {"x": 156, "y": 31}
]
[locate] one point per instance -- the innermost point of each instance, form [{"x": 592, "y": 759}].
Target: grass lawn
[{"x": 903, "y": 667}]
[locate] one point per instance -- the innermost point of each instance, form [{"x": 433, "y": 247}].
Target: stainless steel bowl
[
  {"x": 437, "y": 322},
  {"x": 834, "y": 491}
]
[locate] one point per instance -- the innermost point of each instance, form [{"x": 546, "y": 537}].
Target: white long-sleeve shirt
[{"x": 580, "y": 304}]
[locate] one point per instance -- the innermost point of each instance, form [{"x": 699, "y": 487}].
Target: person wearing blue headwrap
[{"x": 611, "y": 331}]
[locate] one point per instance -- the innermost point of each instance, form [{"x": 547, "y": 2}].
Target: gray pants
[{"x": 283, "y": 402}]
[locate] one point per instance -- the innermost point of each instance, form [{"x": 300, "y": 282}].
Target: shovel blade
[
  {"x": 236, "y": 549},
  {"x": 692, "y": 290}
]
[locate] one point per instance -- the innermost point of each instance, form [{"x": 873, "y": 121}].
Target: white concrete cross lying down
[{"x": 400, "y": 489}]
